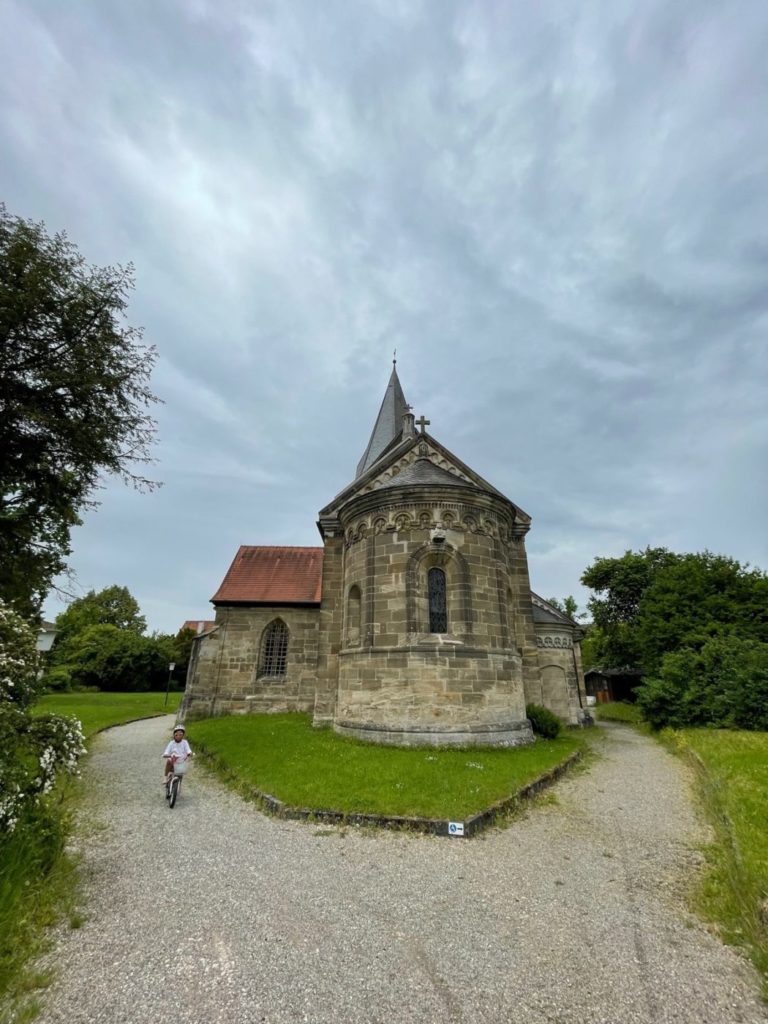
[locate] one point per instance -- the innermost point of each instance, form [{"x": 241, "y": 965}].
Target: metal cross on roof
[{"x": 423, "y": 423}]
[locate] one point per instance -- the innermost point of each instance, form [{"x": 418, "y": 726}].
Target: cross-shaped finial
[
  {"x": 422, "y": 422},
  {"x": 394, "y": 358}
]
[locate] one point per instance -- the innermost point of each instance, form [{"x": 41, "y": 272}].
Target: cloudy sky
[{"x": 556, "y": 212}]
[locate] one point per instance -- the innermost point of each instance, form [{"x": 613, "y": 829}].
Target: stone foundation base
[{"x": 512, "y": 734}]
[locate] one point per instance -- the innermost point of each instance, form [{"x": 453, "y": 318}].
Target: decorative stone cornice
[
  {"x": 558, "y": 640},
  {"x": 408, "y": 516}
]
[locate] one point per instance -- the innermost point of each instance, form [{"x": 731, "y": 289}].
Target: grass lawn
[
  {"x": 618, "y": 711},
  {"x": 284, "y": 756},
  {"x": 734, "y": 789},
  {"x": 100, "y": 710}
]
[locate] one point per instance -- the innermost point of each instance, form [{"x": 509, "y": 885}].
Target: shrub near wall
[
  {"x": 543, "y": 722},
  {"x": 722, "y": 683}
]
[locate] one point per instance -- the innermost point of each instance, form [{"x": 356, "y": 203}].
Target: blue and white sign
[{"x": 455, "y": 828}]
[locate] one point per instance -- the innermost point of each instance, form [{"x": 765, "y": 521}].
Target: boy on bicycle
[{"x": 178, "y": 749}]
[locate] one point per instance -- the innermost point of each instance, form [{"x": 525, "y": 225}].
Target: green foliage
[
  {"x": 622, "y": 584},
  {"x": 305, "y": 767},
  {"x": 182, "y": 652},
  {"x": 733, "y": 783},
  {"x": 100, "y": 643},
  {"x": 593, "y": 647},
  {"x": 113, "y": 606},
  {"x": 73, "y": 399},
  {"x": 722, "y": 682},
  {"x": 36, "y": 881},
  {"x": 653, "y": 602},
  {"x": 699, "y": 596},
  {"x": 19, "y": 660},
  {"x": 543, "y": 721},
  {"x": 115, "y": 659},
  {"x": 568, "y": 606}
]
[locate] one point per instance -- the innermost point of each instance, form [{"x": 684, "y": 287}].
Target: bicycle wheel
[{"x": 175, "y": 783}]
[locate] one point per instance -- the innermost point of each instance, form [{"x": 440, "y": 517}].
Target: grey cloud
[{"x": 555, "y": 212}]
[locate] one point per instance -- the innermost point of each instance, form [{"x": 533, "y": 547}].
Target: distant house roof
[
  {"x": 199, "y": 625},
  {"x": 273, "y": 575}
]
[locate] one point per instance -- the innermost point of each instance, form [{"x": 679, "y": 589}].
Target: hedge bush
[{"x": 543, "y": 722}]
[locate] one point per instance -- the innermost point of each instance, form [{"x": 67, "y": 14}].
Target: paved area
[{"x": 213, "y": 912}]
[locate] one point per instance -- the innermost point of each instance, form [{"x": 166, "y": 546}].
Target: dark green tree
[
  {"x": 115, "y": 659},
  {"x": 567, "y": 606},
  {"x": 696, "y": 597},
  {"x": 619, "y": 585},
  {"x": 74, "y": 399},
  {"x": 112, "y": 606}
]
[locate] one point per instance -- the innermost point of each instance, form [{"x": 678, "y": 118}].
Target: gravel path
[{"x": 213, "y": 912}]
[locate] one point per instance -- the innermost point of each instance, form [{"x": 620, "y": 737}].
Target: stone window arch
[
  {"x": 274, "y": 649},
  {"x": 438, "y": 601},
  {"x": 458, "y": 591},
  {"x": 354, "y": 613}
]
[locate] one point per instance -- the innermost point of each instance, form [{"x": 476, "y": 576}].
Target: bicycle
[{"x": 173, "y": 785}]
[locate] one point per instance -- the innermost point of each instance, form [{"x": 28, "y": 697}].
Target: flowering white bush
[
  {"x": 32, "y": 750},
  {"x": 19, "y": 660}
]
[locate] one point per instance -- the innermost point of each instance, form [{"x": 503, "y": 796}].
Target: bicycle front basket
[{"x": 180, "y": 767}]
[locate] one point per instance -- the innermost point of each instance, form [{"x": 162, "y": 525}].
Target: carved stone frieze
[
  {"x": 553, "y": 641},
  {"x": 429, "y": 516}
]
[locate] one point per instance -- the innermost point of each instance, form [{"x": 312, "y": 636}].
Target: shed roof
[{"x": 273, "y": 575}]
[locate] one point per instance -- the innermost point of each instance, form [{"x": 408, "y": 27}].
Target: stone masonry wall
[
  {"x": 561, "y": 676},
  {"x": 224, "y": 674},
  {"x": 397, "y": 681}
]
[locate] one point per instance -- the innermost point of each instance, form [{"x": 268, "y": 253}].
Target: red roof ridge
[{"x": 259, "y": 574}]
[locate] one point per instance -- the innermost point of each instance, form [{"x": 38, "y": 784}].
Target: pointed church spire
[{"x": 389, "y": 422}]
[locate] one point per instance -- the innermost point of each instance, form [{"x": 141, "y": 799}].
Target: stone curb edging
[{"x": 431, "y": 826}]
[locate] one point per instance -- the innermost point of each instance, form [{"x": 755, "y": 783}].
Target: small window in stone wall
[
  {"x": 438, "y": 609},
  {"x": 354, "y": 606},
  {"x": 274, "y": 649}
]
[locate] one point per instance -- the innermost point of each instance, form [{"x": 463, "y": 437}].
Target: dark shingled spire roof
[{"x": 389, "y": 424}]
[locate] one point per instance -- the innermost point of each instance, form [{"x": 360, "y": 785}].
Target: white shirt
[{"x": 181, "y": 749}]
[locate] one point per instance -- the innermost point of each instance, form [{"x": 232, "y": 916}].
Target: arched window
[
  {"x": 354, "y": 605},
  {"x": 274, "y": 649},
  {"x": 438, "y": 610}
]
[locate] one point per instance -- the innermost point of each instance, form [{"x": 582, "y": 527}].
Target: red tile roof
[
  {"x": 261, "y": 575},
  {"x": 199, "y": 625}
]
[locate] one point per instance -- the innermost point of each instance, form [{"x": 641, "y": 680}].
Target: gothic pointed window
[
  {"x": 438, "y": 610},
  {"x": 274, "y": 649}
]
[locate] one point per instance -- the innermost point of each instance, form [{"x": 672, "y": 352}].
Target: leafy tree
[
  {"x": 74, "y": 399},
  {"x": 115, "y": 659},
  {"x": 699, "y": 596},
  {"x": 33, "y": 750},
  {"x": 723, "y": 682},
  {"x": 620, "y": 584},
  {"x": 183, "y": 651},
  {"x": 592, "y": 647},
  {"x": 567, "y": 606},
  {"x": 19, "y": 660},
  {"x": 113, "y": 606}
]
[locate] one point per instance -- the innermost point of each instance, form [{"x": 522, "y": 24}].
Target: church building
[{"x": 413, "y": 624}]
